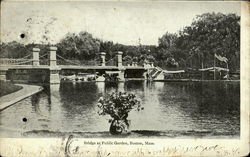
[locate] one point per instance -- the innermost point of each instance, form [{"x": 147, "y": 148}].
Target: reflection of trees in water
[
  {"x": 35, "y": 99},
  {"x": 134, "y": 85},
  {"x": 38, "y": 105},
  {"x": 81, "y": 95},
  {"x": 176, "y": 96},
  {"x": 219, "y": 102},
  {"x": 128, "y": 86},
  {"x": 139, "y": 88},
  {"x": 219, "y": 98},
  {"x": 79, "y": 104},
  {"x": 206, "y": 103},
  {"x": 46, "y": 90},
  {"x": 214, "y": 98},
  {"x": 114, "y": 87}
]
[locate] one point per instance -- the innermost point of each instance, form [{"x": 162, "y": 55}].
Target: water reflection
[
  {"x": 213, "y": 107},
  {"x": 35, "y": 102}
]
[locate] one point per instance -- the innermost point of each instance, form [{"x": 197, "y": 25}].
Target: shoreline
[
  {"x": 180, "y": 80},
  {"x": 165, "y": 80},
  {"x": 12, "y": 98},
  {"x": 132, "y": 134},
  {"x": 194, "y": 80}
]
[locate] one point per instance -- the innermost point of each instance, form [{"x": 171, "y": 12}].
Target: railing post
[
  {"x": 54, "y": 69},
  {"x": 119, "y": 58},
  {"x": 120, "y": 67},
  {"x": 36, "y": 56},
  {"x": 102, "y": 55},
  {"x": 52, "y": 56}
]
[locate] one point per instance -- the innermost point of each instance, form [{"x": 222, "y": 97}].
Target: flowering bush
[{"x": 118, "y": 105}]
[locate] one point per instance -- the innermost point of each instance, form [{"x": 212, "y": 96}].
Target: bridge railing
[
  {"x": 12, "y": 61},
  {"x": 127, "y": 63},
  {"x": 78, "y": 62},
  {"x": 132, "y": 64},
  {"x": 111, "y": 63},
  {"x": 44, "y": 62}
]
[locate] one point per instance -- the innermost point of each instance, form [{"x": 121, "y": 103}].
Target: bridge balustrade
[
  {"x": 53, "y": 59},
  {"x": 44, "y": 61},
  {"x": 78, "y": 62},
  {"x": 127, "y": 63},
  {"x": 132, "y": 64},
  {"x": 141, "y": 63},
  {"x": 12, "y": 61},
  {"x": 111, "y": 62}
]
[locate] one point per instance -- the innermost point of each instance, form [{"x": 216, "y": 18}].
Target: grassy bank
[{"x": 7, "y": 88}]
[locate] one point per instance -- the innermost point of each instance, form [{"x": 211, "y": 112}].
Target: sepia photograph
[{"x": 121, "y": 70}]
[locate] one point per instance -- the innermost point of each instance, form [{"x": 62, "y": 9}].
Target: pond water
[{"x": 172, "y": 109}]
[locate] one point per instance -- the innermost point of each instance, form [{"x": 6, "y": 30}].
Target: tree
[
  {"x": 13, "y": 50},
  {"x": 167, "y": 40},
  {"x": 209, "y": 34},
  {"x": 195, "y": 45},
  {"x": 107, "y": 47},
  {"x": 127, "y": 59},
  {"x": 79, "y": 46},
  {"x": 166, "y": 49}
]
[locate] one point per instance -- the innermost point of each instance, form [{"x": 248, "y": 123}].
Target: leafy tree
[
  {"x": 135, "y": 59},
  {"x": 13, "y": 50},
  {"x": 107, "y": 47},
  {"x": 211, "y": 33},
  {"x": 167, "y": 40},
  {"x": 127, "y": 59},
  {"x": 166, "y": 50},
  {"x": 82, "y": 46},
  {"x": 195, "y": 45}
]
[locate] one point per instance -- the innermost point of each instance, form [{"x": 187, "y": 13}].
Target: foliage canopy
[{"x": 192, "y": 47}]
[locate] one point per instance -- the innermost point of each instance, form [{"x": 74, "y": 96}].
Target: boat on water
[
  {"x": 86, "y": 77},
  {"x": 68, "y": 77},
  {"x": 100, "y": 79}
]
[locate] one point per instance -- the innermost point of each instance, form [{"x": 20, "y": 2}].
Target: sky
[{"x": 122, "y": 22}]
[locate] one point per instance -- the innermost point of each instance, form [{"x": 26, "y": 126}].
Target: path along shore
[{"x": 10, "y": 99}]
